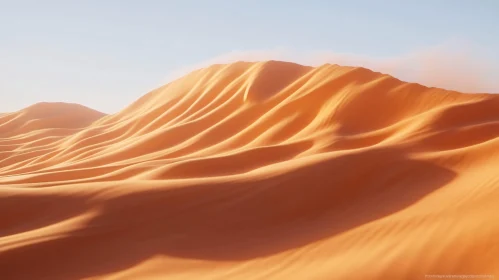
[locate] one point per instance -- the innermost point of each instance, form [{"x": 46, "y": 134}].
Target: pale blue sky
[{"x": 105, "y": 54}]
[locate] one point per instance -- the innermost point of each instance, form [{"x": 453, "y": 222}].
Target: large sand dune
[{"x": 267, "y": 170}]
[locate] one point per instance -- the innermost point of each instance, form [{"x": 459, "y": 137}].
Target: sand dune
[{"x": 268, "y": 170}]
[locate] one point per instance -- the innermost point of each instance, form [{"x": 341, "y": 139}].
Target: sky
[{"x": 105, "y": 54}]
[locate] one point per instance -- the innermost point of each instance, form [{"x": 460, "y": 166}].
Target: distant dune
[{"x": 268, "y": 170}]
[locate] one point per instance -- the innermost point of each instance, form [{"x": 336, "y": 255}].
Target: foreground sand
[{"x": 266, "y": 170}]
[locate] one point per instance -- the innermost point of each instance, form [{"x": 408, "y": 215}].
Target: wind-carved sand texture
[{"x": 268, "y": 170}]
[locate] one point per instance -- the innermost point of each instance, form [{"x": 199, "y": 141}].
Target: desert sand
[{"x": 268, "y": 170}]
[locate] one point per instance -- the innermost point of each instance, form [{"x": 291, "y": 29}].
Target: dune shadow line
[{"x": 236, "y": 220}]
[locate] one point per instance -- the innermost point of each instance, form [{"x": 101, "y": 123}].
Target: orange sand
[{"x": 267, "y": 170}]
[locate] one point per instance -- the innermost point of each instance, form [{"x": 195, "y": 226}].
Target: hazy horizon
[{"x": 106, "y": 55}]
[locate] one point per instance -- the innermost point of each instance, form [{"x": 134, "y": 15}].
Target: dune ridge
[{"x": 266, "y": 170}]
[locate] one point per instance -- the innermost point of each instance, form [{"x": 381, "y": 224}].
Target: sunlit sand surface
[{"x": 267, "y": 170}]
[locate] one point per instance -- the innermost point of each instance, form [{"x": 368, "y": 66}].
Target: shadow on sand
[{"x": 235, "y": 220}]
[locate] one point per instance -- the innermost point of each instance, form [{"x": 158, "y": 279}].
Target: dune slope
[{"x": 267, "y": 170}]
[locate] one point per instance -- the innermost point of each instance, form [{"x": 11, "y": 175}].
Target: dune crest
[{"x": 268, "y": 170}]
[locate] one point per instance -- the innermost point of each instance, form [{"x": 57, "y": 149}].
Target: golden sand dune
[{"x": 267, "y": 170}]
